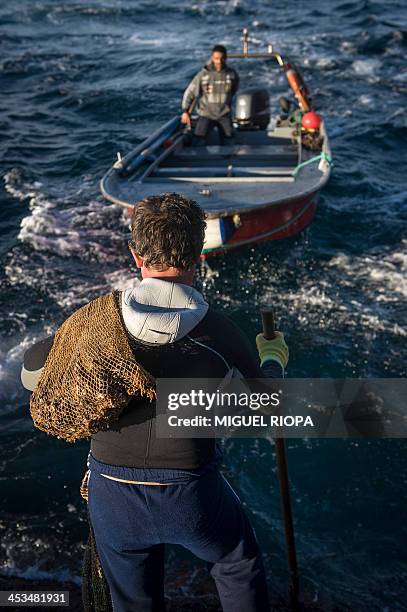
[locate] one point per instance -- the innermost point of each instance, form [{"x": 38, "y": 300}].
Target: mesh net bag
[
  {"x": 90, "y": 374},
  {"x": 95, "y": 589}
]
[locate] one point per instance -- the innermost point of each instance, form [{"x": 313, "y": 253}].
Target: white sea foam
[
  {"x": 367, "y": 67},
  {"x": 327, "y": 63},
  {"x": 380, "y": 281},
  {"x": 60, "y": 230},
  {"x": 348, "y": 46},
  {"x": 366, "y": 100},
  {"x": 53, "y": 226},
  {"x": 401, "y": 76},
  {"x": 49, "y": 228},
  {"x": 35, "y": 573},
  {"x": 323, "y": 63},
  {"x": 15, "y": 186},
  {"x": 165, "y": 39},
  {"x": 365, "y": 292},
  {"x": 139, "y": 40},
  {"x": 11, "y": 359},
  {"x": 121, "y": 280},
  {"x": 383, "y": 273}
]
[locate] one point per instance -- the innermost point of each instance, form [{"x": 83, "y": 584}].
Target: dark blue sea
[{"x": 81, "y": 80}]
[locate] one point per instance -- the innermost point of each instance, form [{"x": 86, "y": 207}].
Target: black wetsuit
[{"x": 131, "y": 440}]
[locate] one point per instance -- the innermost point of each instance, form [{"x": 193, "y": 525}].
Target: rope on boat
[{"x": 322, "y": 155}]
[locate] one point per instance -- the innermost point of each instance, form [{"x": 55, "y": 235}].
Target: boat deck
[{"x": 255, "y": 171}]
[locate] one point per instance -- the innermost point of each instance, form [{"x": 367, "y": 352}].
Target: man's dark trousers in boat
[
  {"x": 205, "y": 125},
  {"x": 144, "y": 491}
]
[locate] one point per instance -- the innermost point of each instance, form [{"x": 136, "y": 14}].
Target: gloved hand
[{"x": 275, "y": 349}]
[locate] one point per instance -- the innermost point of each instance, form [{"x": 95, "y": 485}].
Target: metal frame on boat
[{"x": 264, "y": 185}]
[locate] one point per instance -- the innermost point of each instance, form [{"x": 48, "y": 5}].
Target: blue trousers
[{"x": 197, "y": 509}]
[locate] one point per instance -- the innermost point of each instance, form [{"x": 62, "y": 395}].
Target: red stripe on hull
[{"x": 262, "y": 225}]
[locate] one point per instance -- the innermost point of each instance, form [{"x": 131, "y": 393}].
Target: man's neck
[{"x": 170, "y": 275}]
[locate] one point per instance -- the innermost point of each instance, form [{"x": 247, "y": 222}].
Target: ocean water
[{"x": 81, "y": 80}]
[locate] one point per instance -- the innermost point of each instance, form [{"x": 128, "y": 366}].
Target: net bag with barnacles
[
  {"x": 95, "y": 589},
  {"x": 90, "y": 374}
]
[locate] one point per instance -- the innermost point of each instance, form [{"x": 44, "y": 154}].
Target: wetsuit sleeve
[
  {"x": 242, "y": 352},
  {"x": 228, "y": 339},
  {"x": 192, "y": 92},
  {"x": 272, "y": 369},
  {"x": 34, "y": 360},
  {"x": 234, "y": 345}
]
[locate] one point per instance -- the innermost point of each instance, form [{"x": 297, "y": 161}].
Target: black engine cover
[{"x": 252, "y": 108}]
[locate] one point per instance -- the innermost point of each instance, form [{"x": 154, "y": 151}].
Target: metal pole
[
  {"x": 282, "y": 471},
  {"x": 245, "y": 41}
]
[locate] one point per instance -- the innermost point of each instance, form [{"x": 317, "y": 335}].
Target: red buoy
[{"x": 311, "y": 121}]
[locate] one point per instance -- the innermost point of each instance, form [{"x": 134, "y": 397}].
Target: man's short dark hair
[
  {"x": 168, "y": 230},
  {"x": 220, "y": 49}
]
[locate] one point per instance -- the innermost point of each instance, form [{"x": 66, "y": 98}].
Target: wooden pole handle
[
  {"x": 267, "y": 318},
  {"x": 269, "y": 332}
]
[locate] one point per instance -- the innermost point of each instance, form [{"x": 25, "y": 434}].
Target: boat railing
[
  {"x": 162, "y": 157},
  {"x": 156, "y": 139},
  {"x": 325, "y": 164},
  {"x": 294, "y": 78},
  {"x": 269, "y": 54}
]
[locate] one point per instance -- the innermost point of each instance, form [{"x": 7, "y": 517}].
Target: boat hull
[{"x": 275, "y": 222}]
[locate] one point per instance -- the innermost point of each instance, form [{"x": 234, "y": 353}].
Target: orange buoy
[{"x": 311, "y": 121}]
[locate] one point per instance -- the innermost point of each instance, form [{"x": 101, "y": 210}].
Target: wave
[
  {"x": 34, "y": 573},
  {"x": 32, "y": 547},
  {"x": 92, "y": 234},
  {"x": 367, "y": 67}
]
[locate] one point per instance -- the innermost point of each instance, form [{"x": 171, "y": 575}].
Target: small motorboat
[{"x": 264, "y": 185}]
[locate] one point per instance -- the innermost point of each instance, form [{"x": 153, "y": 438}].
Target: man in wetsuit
[
  {"x": 213, "y": 89},
  {"x": 145, "y": 491}
]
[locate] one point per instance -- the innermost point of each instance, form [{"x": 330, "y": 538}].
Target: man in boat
[
  {"x": 212, "y": 89},
  {"x": 146, "y": 491}
]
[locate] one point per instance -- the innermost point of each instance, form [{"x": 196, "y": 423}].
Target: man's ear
[{"x": 139, "y": 260}]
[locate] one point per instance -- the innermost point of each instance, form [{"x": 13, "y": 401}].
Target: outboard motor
[{"x": 252, "y": 109}]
